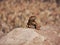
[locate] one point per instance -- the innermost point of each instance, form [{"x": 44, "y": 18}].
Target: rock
[
  {"x": 23, "y": 36},
  {"x": 18, "y": 36},
  {"x": 46, "y": 37}
]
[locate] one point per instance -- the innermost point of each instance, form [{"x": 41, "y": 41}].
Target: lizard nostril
[{"x": 3, "y": 30}]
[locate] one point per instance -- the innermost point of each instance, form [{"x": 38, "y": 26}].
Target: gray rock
[{"x": 18, "y": 36}]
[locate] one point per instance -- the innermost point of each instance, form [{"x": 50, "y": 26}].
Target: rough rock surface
[
  {"x": 22, "y": 36},
  {"x": 47, "y": 36},
  {"x": 18, "y": 36}
]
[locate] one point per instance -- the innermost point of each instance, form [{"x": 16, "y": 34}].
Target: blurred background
[{"x": 15, "y": 13}]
